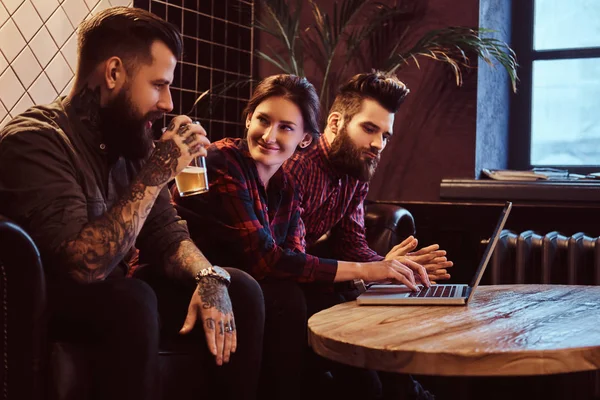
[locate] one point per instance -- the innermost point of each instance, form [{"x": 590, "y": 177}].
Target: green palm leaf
[
  {"x": 278, "y": 21},
  {"x": 329, "y": 32},
  {"x": 276, "y": 60},
  {"x": 383, "y": 30},
  {"x": 451, "y": 46},
  {"x": 207, "y": 100},
  {"x": 373, "y": 35}
]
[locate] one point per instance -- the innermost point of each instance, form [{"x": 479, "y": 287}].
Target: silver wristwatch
[{"x": 215, "y": 272}]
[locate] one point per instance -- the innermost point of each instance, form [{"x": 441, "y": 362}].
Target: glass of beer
[{"x": 193, "y": 179}]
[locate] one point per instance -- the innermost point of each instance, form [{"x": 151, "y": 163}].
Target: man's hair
[
  {"x": 295, "y": 89},
  {"x": 127, "y": 33},
  {"x": 386, "y": 89}
]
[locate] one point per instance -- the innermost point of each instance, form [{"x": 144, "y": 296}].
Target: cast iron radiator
[{"x": 529, "y": 257}]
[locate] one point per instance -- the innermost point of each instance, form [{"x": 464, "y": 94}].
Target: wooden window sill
[{"x": 522, "y": 191}]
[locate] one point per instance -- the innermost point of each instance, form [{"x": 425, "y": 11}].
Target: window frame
[{"x": 521, "y": 104}]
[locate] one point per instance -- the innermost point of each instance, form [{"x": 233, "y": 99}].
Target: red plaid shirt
[
  {"x": 331, "y": 201},
  {"x": 238, "y": 223}
]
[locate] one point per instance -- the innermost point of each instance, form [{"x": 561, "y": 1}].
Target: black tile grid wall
[{"x": 218, "y": 48}]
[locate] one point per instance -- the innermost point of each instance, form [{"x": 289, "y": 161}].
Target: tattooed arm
[
  {"x": 183, "y": 260},
  {"x": 93, "y": 252},
  {"x": 210, "y": 301}
]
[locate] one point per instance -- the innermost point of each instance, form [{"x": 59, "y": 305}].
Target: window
[{"x": 555, "y": 118}]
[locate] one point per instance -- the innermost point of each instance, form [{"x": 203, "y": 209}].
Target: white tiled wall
[{"x": 38, "y": 49}]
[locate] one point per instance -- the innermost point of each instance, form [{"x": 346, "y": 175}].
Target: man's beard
[
  {"x": 125, "y": 133},
  {"x": 348, "y": 159}
]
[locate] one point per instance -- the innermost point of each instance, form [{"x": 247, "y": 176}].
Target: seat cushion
[{"x": 183, "y": 373}]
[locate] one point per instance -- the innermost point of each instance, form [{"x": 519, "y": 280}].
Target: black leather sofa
[{"x": 36, "y": 367}]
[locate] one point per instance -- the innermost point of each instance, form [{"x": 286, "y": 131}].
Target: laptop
[{"x": 438, "y": 295}]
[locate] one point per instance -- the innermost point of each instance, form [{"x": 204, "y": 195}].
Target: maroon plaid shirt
[
  {"x": 238, "y": 223},
  {"x": 331, "y": 201}
]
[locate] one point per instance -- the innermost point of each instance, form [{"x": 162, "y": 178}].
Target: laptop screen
[{"x": 491, "y": 246}]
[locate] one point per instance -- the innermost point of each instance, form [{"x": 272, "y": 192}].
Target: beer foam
[{"x": 194, "y": 170}]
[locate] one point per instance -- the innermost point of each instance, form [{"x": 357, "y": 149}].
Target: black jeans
[
  {"x": 292, "y": 371},
  {"x": 122, "y": 320},
  {"x": 285, "y": 341}
]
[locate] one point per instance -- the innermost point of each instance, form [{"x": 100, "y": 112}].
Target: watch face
[{"x": 221, "y": 272}]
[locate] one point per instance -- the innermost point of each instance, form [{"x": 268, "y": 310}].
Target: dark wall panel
[
  {"x": 435, "y": 130},
  {"x": 217, "y": 36}
]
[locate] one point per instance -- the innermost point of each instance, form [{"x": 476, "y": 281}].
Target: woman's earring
[{"x": 304, "y": 145}]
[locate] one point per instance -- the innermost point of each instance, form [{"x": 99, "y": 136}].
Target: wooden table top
[{"x": 506, "y": 330}]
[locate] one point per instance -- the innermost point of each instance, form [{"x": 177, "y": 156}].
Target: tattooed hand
[
  {"x": 211, "y": 301},
  {"x": 174, "y": 151}
]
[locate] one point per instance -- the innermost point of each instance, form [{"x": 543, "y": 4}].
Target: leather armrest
[
  {"x": 387, "y": 225},
  {"x": 22, "y": 320}
]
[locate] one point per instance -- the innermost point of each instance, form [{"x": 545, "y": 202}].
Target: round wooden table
[{"x": 506, "y": 330}]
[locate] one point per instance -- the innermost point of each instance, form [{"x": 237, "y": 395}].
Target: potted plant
[{"x": 361, "y": 35}]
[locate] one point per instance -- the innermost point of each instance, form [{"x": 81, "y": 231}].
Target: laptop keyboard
[{"x": 439, "y": 291}]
